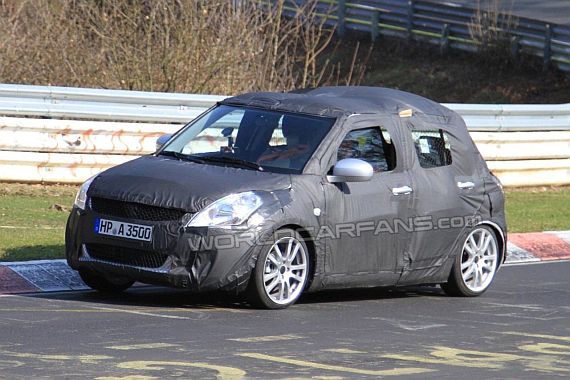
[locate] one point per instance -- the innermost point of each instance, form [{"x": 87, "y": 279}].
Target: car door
[
  {"x": 442, "y": 187},
  {"x": 364, "y": 243}
]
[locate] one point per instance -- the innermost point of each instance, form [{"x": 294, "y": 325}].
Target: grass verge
[
  {"x": 32, "y": 221},
  {"x": 538, "y": 209},
  {"x": 32, "y": 217}
]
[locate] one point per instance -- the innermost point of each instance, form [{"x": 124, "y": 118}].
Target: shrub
[{"x": 214, "y": 46}]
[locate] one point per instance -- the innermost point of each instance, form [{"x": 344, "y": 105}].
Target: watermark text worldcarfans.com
[{"x": 236, "y": 239}]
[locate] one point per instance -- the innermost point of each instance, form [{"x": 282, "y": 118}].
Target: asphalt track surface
[{"x": 519, "y": 329}]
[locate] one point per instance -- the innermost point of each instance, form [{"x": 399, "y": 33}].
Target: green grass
[
  {"x": 32, "y": 217},
  {"x": 532, "y": 210},
  {"x": 32, "y": 221}
]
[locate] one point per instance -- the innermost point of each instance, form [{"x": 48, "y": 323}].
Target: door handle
[
  {"x": 402, "y": 190},
  {"x": 465, "y": 185}
]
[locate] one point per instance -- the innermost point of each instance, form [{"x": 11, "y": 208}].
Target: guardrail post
[
  {"x": 410, "y": 24},
  {"x": 444, "y": 43},
  {"x": 485, "y": 29},
  {"x": 341, "y": 13},
  {"x": 547, "y": 53},
  {"x": 374, "y": 20},
  {"x": 515, "y": 48}
]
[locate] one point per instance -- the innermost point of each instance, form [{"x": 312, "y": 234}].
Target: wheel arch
[
  {"x": 501, "y": 238},
  {"x": 310, "y": 243}
]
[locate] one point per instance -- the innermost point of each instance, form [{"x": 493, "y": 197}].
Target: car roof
[{"x": 346, "y": 100}]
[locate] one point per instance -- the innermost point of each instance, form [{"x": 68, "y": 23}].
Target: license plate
[{"x": 123, "y": 230}]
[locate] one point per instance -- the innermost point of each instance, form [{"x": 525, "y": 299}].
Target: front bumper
[{"x": 197, "y": 259}]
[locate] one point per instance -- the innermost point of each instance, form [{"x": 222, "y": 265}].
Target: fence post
[
  {"x": 444, "y": 43},
  {"x": 374, "y": 20},
  {"x": 546, "y": 55},
  {"x": 341, "y": 13},
  {"x": 410, "y": 24}
]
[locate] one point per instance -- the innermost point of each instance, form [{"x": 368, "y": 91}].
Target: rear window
[{"x": 432, "y": 147}]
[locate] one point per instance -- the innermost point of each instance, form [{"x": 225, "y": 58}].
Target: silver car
[{"x": 276, "y": 194}]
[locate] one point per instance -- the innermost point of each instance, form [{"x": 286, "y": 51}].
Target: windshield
[{"x": 251, "y": 138}]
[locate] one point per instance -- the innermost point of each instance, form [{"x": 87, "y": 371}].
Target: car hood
[{"x": 167, "y": 182}]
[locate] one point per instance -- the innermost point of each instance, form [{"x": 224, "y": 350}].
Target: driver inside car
[{"x": 295, "y": 147}]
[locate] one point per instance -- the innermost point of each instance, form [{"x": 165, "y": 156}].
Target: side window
[
  {"x": 432, "y": 148},
  {"x": 372, "y": 145}
]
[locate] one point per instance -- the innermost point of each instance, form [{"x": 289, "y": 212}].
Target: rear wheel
[
  {"x": 475, "y": 266},
  {"x": 281, "y": 272},
  {"x": 104, "y": 284}
]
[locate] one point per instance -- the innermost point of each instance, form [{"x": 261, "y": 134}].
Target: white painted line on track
[
  {"x": 512, "y": 264},
  {"x": 32, "y": 227},
  {"x": 33, "y": 262},
  {"x": 140, "y": 313}
]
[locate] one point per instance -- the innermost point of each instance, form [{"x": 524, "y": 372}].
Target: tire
[
  {"x": 281, "y": 273},
  {"x": 475, "y": 266},
  {"x": 104, "y": 284}
]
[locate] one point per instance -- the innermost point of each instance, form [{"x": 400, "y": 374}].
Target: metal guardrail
[
  {"x": 83, "y": 103},
  {"x": 58, "y": 134},
  {"x": 443, "y": 24},
  {"x": 160, "y": 107},
  {"x": 514, "y": 117}
]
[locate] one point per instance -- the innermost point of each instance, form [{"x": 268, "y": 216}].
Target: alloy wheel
[
  {"x": 479, "y": 260},
  {"x": 285, "y": 270}
]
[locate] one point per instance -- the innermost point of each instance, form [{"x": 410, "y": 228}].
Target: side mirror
[
  {"x": 351, "y": 170},
  {"x": 227, "y": 132},
  {"x": 162, "y": 140}
]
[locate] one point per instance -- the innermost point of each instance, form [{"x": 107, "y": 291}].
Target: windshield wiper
[
  {"x": 232, "y": 160},
  {"x": 181, "y": 156}
]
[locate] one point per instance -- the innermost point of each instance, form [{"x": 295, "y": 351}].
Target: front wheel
[
  {"x": 475, "y": 266},
  {"x": 281, "y": 272},
  {"x": 104, "y": 284}
]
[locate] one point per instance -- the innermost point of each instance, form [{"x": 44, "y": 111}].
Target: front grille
[
  {"x": 131, "y": 210},
  {"x": 126, "y": 256}
]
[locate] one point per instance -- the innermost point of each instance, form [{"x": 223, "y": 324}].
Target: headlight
[
  {"x": 81, "y": 197},
  {"x": 231, "y": 210}
]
